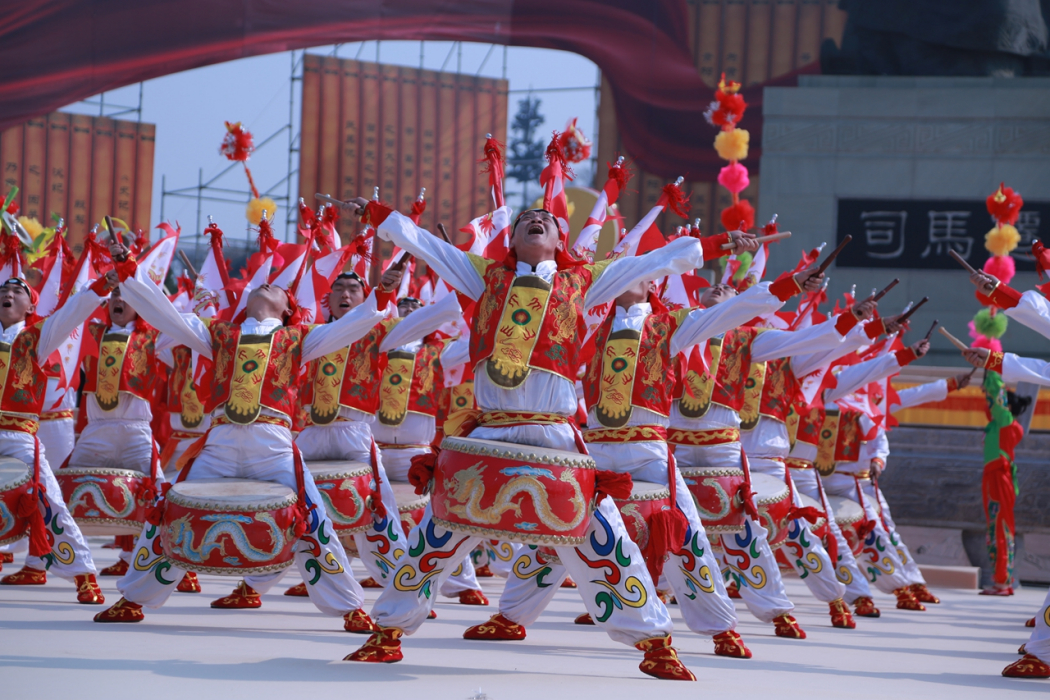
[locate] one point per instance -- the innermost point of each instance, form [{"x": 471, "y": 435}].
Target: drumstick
[
  {"x": 834, "y": 254},
  {"x": 400, "y": 264},
  {"x": 762, "y": 239},
  {"x": 886, "y": 289},
  {"x": 907, "y": 314},
  {"x": 444, "y": 233},
  {"x": 113, "y": 235},
  {"x": 954, "y": 341},
  {"x": 326, "y": 198},
  {"x": 930, "y": 332},
  {"x": 189, "y": 266},
  {"x": 962, "y": 261}
]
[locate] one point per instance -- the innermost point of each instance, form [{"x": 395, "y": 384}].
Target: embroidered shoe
[
  {"x": 733, "y": 591},
  {"x": 88, "y": 591},
  {"x": 661, "y": 660},
  {"x": 840, "y": 615},
  {"x": 568, "y": 583},
  {"x": 730, "y": 644},
  {"x": 432, "y": 615},
  {"x": 1030, "y": 622},
  {"x": 27, "y": 576},
  {"x": 383, "y": 647},
  {"x": 298, "y": 590},
  {"x": 123, "y": 611},
  {"x": 787, "y": 626},
  {"x": 584, "y": 619},
  {"x": 7, "y": 558},
  {"x": 1028, "y": 666},
  {"x": 865, "y": 607},
  {"x": 243, "y": 596},
  {"x": 484, "y": 572},
  {"x": 370, "y": 583},
  {"x": 189, "y": 583},
  {"x": 358, "y": 622},
  {"x": 498, "y": 628},
  {"x": 476, "y": 597},
  {"x": 922, "y": 594},
  {"x": 118, "y": 569},
  {"x": 906, "y": 600},
  {"x": 1021, "y": 650}
]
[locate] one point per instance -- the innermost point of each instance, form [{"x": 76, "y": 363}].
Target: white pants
[
  {"x": 57, "y": 437},
  {"x": 878, "y": 560},
  {"x": 618, "y": 592},
  {"x": 70, "y": 555},
  {"x": 746, "y": 556},
  {"x": 264, "y": 452},
  {"x": 1039, "y": 643},
  {"x": 498, "y": 556},
  {"x": 911, "y": 567},
  {"x": 808, "y": 481}
]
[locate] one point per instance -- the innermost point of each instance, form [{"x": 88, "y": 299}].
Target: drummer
[
  {"x": 24, "y": 344},
  {"x": 535, "y": 398},
  {"x": 250, "y": 435}
]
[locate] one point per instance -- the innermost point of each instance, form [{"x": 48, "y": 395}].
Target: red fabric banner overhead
[{"x": 55, "y": 52}]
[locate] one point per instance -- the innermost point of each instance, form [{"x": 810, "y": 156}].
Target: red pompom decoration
[
  {"x": 1004, "y": 205},
  {"x": 1002, "y": 267},
  {"x": 728, "y": 108},
  {"x": 734, "y": 178},
  {"x": 237, "y": 144},
  {"x": 742, "y": 211},
  {"x": 573, "y": 144}
]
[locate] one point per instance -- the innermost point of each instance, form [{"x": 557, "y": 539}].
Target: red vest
[
  {"x": 347, "y": 377},
  {"x": 125, "y": 363},
  {"x": 251, "y": 371},
  {"x": 21, "y": 376},
  {"x": 780, "y": 390},
  {"x": 523, "y": 323},
  {"x": 698, "y": 388},
  {"x": 632, "y": 369},
  {"x": 182, "y": 395},
  {"x": 412, "y": 382}
]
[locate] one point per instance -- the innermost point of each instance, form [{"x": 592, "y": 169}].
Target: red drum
[
  {"x": 849, "y": 516},
  {"x": 646, "y": 500},
  {"x": 820, "y": 528},
  {"x": 773, "y": 500},
  {"x": 15, "y": 478},
  {"x": 715, "y": 491},
  {"x": 231, "y": 527},
  {"x": 518, "y": 493},
  {"x": 105, "y": 501},
  {"x": 410, "y": 505},
  {"x": 345, "y": 488}
]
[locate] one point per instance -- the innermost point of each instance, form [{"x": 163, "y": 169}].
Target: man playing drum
[
  {"x": 25, "y": 344},
  {"x": 531, "y": 306},
  {"x": 254, "y": 369}
]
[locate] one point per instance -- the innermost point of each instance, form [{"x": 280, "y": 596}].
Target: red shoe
[
  {"x": 1029, "y": 622},
  {"x": 118, "y": 569},
  {"x": 88, "y": 591},
  {"x": 243, "y": 596},
  {"x": 115, "y": 544},
  {"x": 568, "y": 583},
  {"x": 189, "y": 583},
  {"x": 383, "y": 647},
  {"x": 661, "y": 660},
  {"x": 358, "y": 622},
  {"x": 906, "y": 600},
  {"x": 483, "y": 572},
  {"x": 370, "y": 583},
  {"x": 433, "y": 615},
  {"x": 1028, "y": 666},
  {"x": 28, "y": 576},
  {"x": 298, "y": 590},
  {"x": 730, "y": 644},
  {"x": 472, "y": 598},
  {"x": 787, "y": 626},
  {"x": 498, "y": 628},
  {"x": 123, "y": 611},
  {"x": 1021, "y": 650},
  {"x": 840, "y": 615},
  {"x": 865, "y": 607},
  {"x": 584, "y": 619},
  {"x": 7, "y": 558},
  {"x": 922, "y": 594},
  {"x": 733, "y": 591},
  {"x": 998, "y": 591}
]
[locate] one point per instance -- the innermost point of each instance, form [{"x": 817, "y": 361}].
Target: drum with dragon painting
[
  {"x": 518, "y": 493},
  {"x": 773, "y": 500},
  {"x": 716, "y": 494},
  {"x": 105, "y": 501},
  {"x": 15, "y": 483},
  {"x": 410, "y": 505},
  {"x": 345, "y": 488},
  {"x": 646, "y": 500},
  {"x": 230, "y": 527},
  {"x": 849, "y": 516}
]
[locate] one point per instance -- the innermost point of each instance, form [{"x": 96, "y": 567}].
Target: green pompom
[
  {"x": 988, "y": 325},
  {"x": 745, "y": 260}
]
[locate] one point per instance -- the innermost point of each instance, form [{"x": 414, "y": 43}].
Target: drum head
[
  {"x": 13, "y": 473},
  {"x": 405, "y": 495},
  {"x": 846, "y": 510},
  {"x": 513, "y": 451},
  {"x": 246, "y": 493},
  {"x": 334, "y": 468},
  {"x": 767, "y": 487},
  {"x": 808, "y": 502},
  {"x": 648, "y": 491}
]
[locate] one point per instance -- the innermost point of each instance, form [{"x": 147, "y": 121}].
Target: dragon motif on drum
[
  {"x": 466, "y": 490},
  {"x": 724, "y": 502},
  {"x": 331, "y": 505},
  {"x": 88, "y": 491},
  {"x": 637, "y": 525},
  {"x": 227, "y": 529}
]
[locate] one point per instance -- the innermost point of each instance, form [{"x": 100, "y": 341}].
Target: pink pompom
[
  {"x": 734, "y": 178},
  {"x": 1001, "y": 266},
  {"x": 980, "y": 341}
]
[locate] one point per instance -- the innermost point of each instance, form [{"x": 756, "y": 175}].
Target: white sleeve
[
  {"x": 774, "y": 344},
  {"x": 1025, "y": 369},
  {"x": 702, "y": 324},
  {"x": 66, "y": 319},
  {"x": 923, "y": 393},
  {"x": 853, "y": 378},
  {"x": 1033, "y": 311},
  {"x": 166, "y": 354},
  {"x": 336, "y": 335},
  {"x": 455, "y": 353},
  {"x": 678, "y": 256},
  {"x": 451, "y": 263},
  {"x": 422, "y": 322},
  {"x": 151, "y": 304}
]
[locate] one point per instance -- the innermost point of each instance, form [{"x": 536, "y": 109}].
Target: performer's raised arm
[
  {"x": 422, "y": 322},
  {"x": 1030, "y": 308},
  {"x": 863, "y": 373},
  {"x": 1014, "y": 368},
  {"x": 65, "y": 319},
  {"x": 336, "y": 335}
]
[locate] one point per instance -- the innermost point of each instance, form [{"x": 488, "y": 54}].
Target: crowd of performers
[{"x": 758, "y": 433}]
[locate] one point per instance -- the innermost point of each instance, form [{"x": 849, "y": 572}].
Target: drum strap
[
  {"x": 378, "y": 507},
  {"x": 633, "y": 433},
  {"x": 807, "y": 513},
  {"x": 703, "y": 438},
  {"x": 57, "y": 415},
  {"x": 832, "y": 545},
  {"x": 869, "y": 524},
  {"x": 302, "y": 520},
  {"x": 746, "y": 493},
  {"x": 882, "y": 515},
  {"x": 30, "y": 505},
  {"x": 172, "y": 444}
]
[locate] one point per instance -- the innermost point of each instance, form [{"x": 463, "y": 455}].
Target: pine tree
[{"x": 525, "y": 153}]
